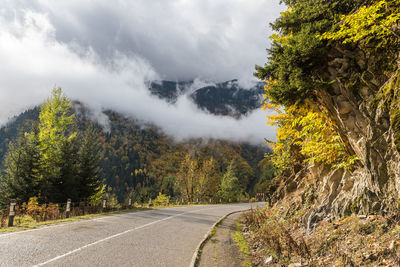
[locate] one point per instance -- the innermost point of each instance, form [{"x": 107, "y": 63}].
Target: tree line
[
  {"x": 130, "y": 159},
  {"x": 53, "y": 161}
]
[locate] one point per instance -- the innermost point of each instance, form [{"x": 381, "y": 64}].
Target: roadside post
[
  {"x": 104, "y": 204},
  {"x": 68, "y": 209},
  {"x": 210, "y": 200},
  {"x": 168, "y": 201},
  {"x": 220, "y": 200},
  {"x": 150, "y": 202},
  {"x": 182, "y": 201},
  {"x": 197, "y": 200},
  {"x": 12, "y": 213},
  {"x": 130, "y": 203}
]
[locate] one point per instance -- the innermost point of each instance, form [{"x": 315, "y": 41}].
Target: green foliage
[
  {"x": 21, "y": 178},
  {"x": 240, "y": 240},
  {"x": 297, "y": 57},
  {"x": 88, "y": 165},
  {"x": 229, "y": 188},
  {"x": 373, "y": 22},
  {"x": 139, "y": 162},
  {"x": 55, "y": 133},
  {"x": 161, "y": 200},
  {"x": 50, "y": 162}
]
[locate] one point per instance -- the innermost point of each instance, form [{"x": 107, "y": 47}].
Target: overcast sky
[{"x": 103, "y": 53}]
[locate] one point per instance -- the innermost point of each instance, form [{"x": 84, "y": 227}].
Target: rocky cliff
[{"x": 347, "y": 66}]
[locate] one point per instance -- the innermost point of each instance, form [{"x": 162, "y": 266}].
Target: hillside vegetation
[
  {"x": 333, "y": 80},
  {"x": 138, "y": 161}
]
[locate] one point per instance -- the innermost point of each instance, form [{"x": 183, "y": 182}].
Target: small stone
[
  {"x": 362, "y": 217},
  {"x": 268, "y": 260},
  {"x": 391, "y": 246}
]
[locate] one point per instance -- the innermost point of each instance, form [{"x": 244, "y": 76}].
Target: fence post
[
  {"x": 12, "y": 213},
  {"x": 68, "y": 209},
  {"x": 104, "y": 204}
]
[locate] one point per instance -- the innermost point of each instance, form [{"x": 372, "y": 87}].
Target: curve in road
[{"x": 165, "y": 237}]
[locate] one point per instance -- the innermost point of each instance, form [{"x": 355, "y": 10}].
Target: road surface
[{"x": 165, "y": 237}]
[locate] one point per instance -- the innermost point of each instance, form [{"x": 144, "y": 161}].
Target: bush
[
  {"x": 251, "y": 200},
  {"x": 161, "y": 200}
]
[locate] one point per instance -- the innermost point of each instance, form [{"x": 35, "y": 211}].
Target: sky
[{"x": 105, "y": 52}]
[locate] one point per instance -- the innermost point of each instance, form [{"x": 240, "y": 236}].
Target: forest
[{"x": 135, "y": 160}]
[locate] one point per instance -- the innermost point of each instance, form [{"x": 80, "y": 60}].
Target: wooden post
[
  {"x": 12, "y": 213},
  {"x": 68, "y": 209}
]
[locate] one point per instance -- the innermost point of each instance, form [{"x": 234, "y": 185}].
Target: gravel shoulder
[{"x": 221, "y": 249}]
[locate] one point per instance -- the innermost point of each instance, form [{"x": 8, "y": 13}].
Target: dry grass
[{"x": 372, "y": 241}]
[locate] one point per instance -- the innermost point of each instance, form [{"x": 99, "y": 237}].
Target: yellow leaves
[
  {"x": 281, "y": 39},
  {"x": 305, "y": 134},
  {"x": 366, "y": 23}
]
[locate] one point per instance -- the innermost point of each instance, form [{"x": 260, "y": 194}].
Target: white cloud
[{"x": 35, "y": 58}]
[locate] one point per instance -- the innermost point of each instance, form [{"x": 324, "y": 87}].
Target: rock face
[{"x": 367, "y": 119}]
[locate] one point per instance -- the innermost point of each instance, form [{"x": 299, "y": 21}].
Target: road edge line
[{"x": 197, "y": 253}]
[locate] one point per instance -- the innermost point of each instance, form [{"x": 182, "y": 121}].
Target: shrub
[{"x": 161, "y": 200}]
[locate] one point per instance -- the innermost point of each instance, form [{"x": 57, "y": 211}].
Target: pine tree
[
  {"x": 21, "y": 178},
  {"x": 89, "y": 158},
  {"x": 230, "y": 186},
  {"x": 56, "y": 122}
]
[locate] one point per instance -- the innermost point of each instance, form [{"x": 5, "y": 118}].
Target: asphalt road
[{"x": 165, "y": 237}]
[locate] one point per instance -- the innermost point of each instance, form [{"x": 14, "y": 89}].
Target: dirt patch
[{"x": 221, "y": 249}]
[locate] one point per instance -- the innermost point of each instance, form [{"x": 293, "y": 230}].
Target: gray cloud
[
  {"x": 182, "y": 39},
  {"x": 103, "y": 53}
]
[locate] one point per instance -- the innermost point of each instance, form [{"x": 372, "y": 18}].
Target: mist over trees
[{"x": 67, "y": 155}]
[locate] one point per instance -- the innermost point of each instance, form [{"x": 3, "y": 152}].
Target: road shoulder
[{"x": 221, "y": 248}]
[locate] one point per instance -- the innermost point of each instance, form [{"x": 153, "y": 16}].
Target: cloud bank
[{"x": 104, "y": 54}]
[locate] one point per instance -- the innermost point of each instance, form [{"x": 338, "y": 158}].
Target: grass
[
  {"x": 242, "y": 243},
  {"x": 350, "y": 241}
]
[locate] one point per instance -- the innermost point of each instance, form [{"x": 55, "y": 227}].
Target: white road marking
[
  {"x": 66, "y": 223},
  {"x": 116, "y": 235}
]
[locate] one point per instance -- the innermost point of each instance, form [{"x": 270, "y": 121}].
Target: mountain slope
[
  {"x": 226, "y": 98},
  {"x": 139, "y": 160}
]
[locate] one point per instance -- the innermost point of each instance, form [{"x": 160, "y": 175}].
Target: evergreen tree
[
  {"x": 230, "y": 186},
  {"x": 56, "y": 135},
  {"x": 51, "y": 162},
  {"x": 21, "y": 178},
  {"x": 89, "y": 158}
]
